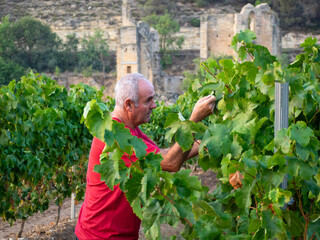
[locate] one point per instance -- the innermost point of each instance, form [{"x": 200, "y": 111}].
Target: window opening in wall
[
  {"x": 128, "y": 69},
  {"x": 251, "y": 21}
]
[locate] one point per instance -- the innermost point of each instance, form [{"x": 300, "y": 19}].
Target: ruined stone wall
[
  {"x": 264, "y": 22},
  {"x": 82, "y": 17},
  {"x": 217, "y": 30},
  {"x": 220, "y": 33},
  {"x": 149, "y": 48},
  {"x": 139, "y": 46}
]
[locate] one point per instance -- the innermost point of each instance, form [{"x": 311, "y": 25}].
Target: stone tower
[
  {"x": 138, "y": 48},
  {"x": 217, "y": 30},
  {"x": 127, "y": 50}
]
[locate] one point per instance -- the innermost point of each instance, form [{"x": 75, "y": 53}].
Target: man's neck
[{"x": 123, "y": 117}]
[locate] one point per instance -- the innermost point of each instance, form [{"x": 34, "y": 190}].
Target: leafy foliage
[
  {"x": 166, "y": 27},
  {"x": 43, "y": 146},
  {"x": 30, "y": 44},
  {"x": 238, "y": 143},
  {"x": 95, "y": 49}
]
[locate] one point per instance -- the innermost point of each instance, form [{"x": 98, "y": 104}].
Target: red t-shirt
[{"x": 107, "y": 214}]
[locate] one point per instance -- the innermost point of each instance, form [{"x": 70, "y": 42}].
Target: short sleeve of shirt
[{"x": 151, "y": 146}]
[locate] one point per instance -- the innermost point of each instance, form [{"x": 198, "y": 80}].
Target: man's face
[{"x": 142, "y": 113}]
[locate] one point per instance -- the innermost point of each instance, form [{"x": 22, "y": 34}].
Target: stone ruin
[
  {"x": 138, "y": 51},
  {"x": 138, "y": 44},
  {"x": 137, "y": 47},
  {"x": 218, "y": 29}
]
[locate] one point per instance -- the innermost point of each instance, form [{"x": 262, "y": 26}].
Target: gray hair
[{"x": 127, "y": 88}]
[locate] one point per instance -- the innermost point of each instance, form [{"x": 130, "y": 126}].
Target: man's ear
[{"x": 128, "y": 105}]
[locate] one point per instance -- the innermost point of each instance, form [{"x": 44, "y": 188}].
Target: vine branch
[
  {"x": 211, "y": 73},
  {"x": 161, "y": 193},
  {"x": 299, "y": 198}
]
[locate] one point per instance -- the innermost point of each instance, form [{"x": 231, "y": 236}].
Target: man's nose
[{"x": 153, "y": 105}]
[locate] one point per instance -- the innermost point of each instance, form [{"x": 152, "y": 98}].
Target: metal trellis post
[{"x": 281, "y": 113}]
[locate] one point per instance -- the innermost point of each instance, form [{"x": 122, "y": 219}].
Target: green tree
[
  {"x": 167, "y": 27},
  {"x": 6, "y": 38},
  {"x": 95, "y": 51},
  {"x": 9, "y": 71},
  {"x": 36, "y": 45},
  {"x": 69, "y": 56}
]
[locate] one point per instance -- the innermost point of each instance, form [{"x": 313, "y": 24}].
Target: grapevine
[
  {"x": 41, "y": 139},
  {"x": 238, "y": 143}
]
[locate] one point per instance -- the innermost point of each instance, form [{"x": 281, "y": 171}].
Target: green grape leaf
[
  {"x": 172, "y": 118},
  {"x": 184, "y": 137},
  {"x": 139, "y": 146},
  {"x": 110, "y": 163},
  {"x": 96, "y": 118},
  {"x": 154, "y": 232},
  {"x": 169, "y": 215},
  {"x": 201, "y": 208},
  {"x": 183, "y": 131},
  {"x": 224, "y": 165},
  {"x": 136, "y": 207},
  {"x": 235, "y": 148},
  {"x": 272, "y": 224},
  {"x": 282, "y": 140},
  {"x": 150, "y": 214},
  {"x": 108, "y": 173},
  {"x": 149, "y": 181},
  {"x": 121, "y": 134},
  {"x": 186, "y": 184},
  {"x": 309, "y": 42},
  {"x": 254, "y": 225},
  {"x": 276, "y": 160},
  {"x": 153, "y": 160},
  {"x": 206, "y": 228},
  {"x": 133, "y": 186},
  {"x": 302, "y": 152},
  {"x": 294, "y": 223},
  {"x": 306, "y": 172},
  {"x": 246, "y": 36},
  {"x": 4, "y": 139},
  {"x": 243, "y": 198},
  {"x": 301, "y": 133},
  {"x": 293, "y": 166},
  {"x": 262, "y": 57}
]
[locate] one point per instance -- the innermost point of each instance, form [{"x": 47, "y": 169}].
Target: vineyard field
[{"x": 41, "y": 225}]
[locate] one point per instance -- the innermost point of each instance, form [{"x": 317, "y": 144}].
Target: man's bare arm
[{"x": 174, "y": 157}]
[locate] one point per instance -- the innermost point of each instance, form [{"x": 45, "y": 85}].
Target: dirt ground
[{"x": 42, "y": 225}]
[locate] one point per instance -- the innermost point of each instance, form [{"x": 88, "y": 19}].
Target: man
[{"x": 107, "y": 214}]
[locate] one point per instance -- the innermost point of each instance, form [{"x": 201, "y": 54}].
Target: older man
[{"x": 107, "y": 214}]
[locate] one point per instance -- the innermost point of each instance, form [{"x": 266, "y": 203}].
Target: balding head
[{"x": 127, "y": 88}]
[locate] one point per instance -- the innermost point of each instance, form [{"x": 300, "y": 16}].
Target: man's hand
[{"x": 203, "y": 108}]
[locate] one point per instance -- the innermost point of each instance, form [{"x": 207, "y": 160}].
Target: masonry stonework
[
  {"x": 218, "y": 29},
  {"x": 137, "y": 45},
  {"x": 138, "y": 52}
]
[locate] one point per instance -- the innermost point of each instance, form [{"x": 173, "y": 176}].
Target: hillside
[{"x": 303, "y": 15}]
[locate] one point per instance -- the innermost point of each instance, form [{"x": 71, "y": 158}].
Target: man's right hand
[{"x": 203, "y": 108}]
